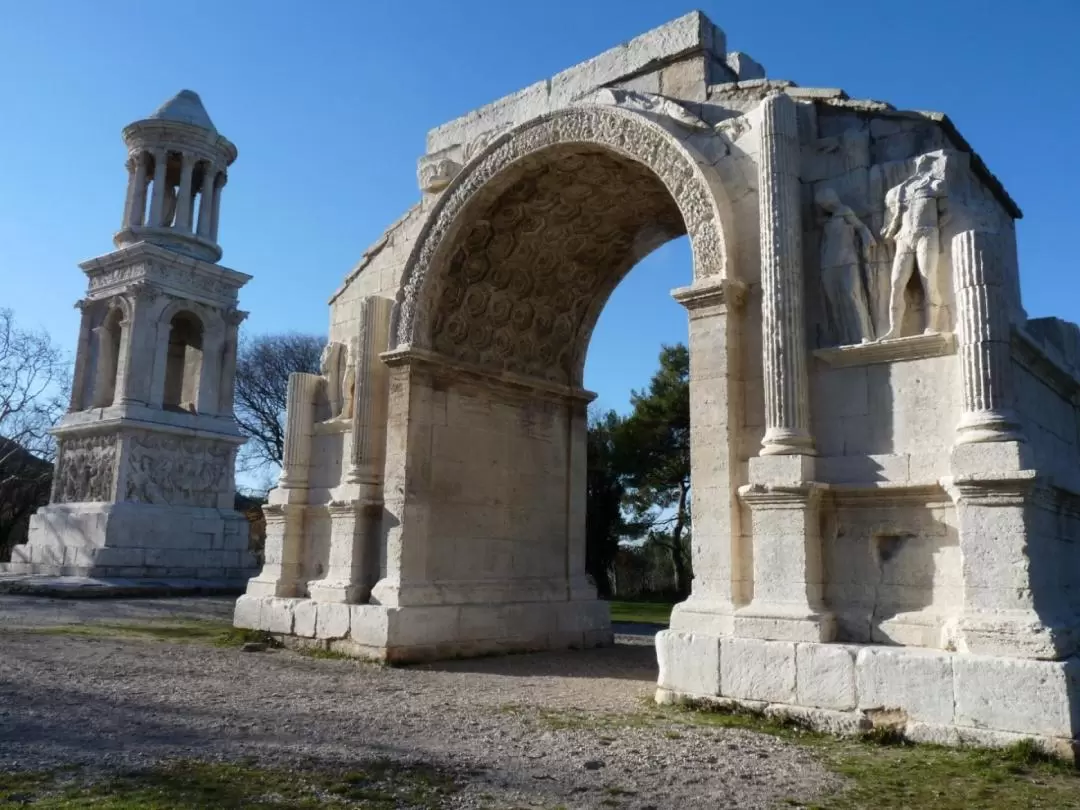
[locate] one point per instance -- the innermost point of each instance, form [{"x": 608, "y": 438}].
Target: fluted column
[
  {"x": 206, "y": 196},
  {"x": 213, "y": 354},
  {"x": 184, "y": 198},
  {"x": 132, "y": 167},
  {"x": 787, "y": 409},
  {"x": 136, "y": 210},
  {"x": 285, "y": 511},
  {"x": 157, "y": 202},
  {"x": 980, "y": 281},
  {"x": 82, "y": 357},
  {"x": 299, "y": 422},
  {"x": 369, "y": 402},
  {"x": 353, "y": 558},
  {"x": 215, "y": 215},
  {"x": 227, "y": 387},
  {"x": 137, "y": 347}
]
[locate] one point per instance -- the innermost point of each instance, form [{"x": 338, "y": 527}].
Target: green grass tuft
[
  {"x": 188, "y": 785},
  {"x": 641, "y": 612}
]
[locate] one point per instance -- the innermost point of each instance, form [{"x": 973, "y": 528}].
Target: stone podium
[
  {"x": 144, "y": 477},
  {"x": 885, "y": 471}
]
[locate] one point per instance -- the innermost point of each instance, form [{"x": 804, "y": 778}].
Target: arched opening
[
  {"x": 528, "y": 276},
  {"x": 203, "y": 181},
  {"x": 638, "y": 499},
  {"x": 486, "y": 470},
  {"x": 144, "y": 172},
  {"x": 109, "y": 335},
  {"x": 173, "y": 172},
  {"x": 183, "y": 363}
]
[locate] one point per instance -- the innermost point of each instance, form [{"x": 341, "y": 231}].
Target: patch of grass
[
  {"x": 187, "y": 785},
  {"x": 887, "y": 772},
  {"x": 641, "y": 612},
  {"x": 884, "y": 770},
  {"x": 324, "y": 654},
  {"x": 192, "y": 631}
]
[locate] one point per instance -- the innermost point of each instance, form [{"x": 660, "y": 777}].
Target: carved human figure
[
  {"x": 348, "y": 383},
  {"x": 845, "y": 245},
  {"x": 916, "y": 211},
  {"x": 331, "y": 366}
]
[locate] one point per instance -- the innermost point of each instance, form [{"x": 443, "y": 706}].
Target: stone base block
[
  {"x": 134, "y": 541},
  {"x": 412, "y": 634},
  {"x": 931, "y": 695}
]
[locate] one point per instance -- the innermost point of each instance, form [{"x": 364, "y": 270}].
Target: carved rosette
[{"x": 626, "y": 134}]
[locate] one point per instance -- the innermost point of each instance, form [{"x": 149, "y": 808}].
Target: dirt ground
[{"x": 546, "y": 730}]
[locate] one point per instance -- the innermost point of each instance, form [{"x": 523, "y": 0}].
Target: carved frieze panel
[
  {"x": 177, "y": 471},
  {"x": 85, "y": 467}
]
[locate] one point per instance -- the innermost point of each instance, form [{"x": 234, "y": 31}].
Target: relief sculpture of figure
[
  {"x": 916, "y": 208},
  {"x": 845, "y": 244},
  {"x": 330, "y": 366},
  {"x": 348, "y": 383}
]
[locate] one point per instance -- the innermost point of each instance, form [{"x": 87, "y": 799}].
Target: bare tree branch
[
  {"x": 263, "y": 366},
  {"x": 34, "y": 381}
]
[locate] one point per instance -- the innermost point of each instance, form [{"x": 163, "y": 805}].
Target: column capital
[{"x": 711, "y": 292}]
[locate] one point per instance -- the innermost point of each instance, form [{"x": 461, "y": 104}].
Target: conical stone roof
[{"x": 185, "y": 108}]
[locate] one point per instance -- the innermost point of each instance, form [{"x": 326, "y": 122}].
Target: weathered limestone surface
[
  {"x": 144, "y": 477},
  {"x": 885, "y": 452}
]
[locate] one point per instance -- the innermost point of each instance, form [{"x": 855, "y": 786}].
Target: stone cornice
[
  {"x": 481, "y": 375},
  {"x": 173, "y": 273},
  {"x": 916, "y": 347},
  {"x": 1034, "y": 356},
  {"x": 155, "y": 133},
  {"x": 711, "y": 292}
]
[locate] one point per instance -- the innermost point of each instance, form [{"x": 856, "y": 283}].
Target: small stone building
[
  {"x": 143, "y": 484},
  {"x": 885, "y": 469}
]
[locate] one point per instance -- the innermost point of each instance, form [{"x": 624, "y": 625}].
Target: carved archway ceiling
[{"x": 529, "y": 272}]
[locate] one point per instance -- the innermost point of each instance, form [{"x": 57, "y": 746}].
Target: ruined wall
[{"x": 378, "y": 272}]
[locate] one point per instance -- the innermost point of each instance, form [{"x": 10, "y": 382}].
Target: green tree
[
  {"x": 604, "y": 524},
  {"x": 654, "y": 454}
]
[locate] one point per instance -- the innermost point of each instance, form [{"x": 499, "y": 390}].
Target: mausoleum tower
[{"x": 144, "y": 478}]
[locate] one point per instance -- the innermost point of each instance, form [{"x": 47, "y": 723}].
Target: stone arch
[
  {"x": 184, "y": 361},
  {"x": 110, "y": 334},
  {"x": 648, "y": 187},
  {"x": 485, "y": 468}
]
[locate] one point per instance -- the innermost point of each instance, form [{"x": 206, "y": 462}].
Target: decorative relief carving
[
  {"x": 435, "y": 174},
  {"x": 177, "y": 471},
  {"x": 336, "y": 365},
  {"x": 120, "y": 275},
  {"x": 625, "y": 133},
  {"x": 845, "y": 257},
  {"x": 646, "y": 103},
  {"x": 916, "y": 209},
  {"x": 84, "y": 469},
  {"x": 525, "y": 282}
]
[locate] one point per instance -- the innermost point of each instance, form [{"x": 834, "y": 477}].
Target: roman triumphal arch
[{"x": 885, "y": 463}]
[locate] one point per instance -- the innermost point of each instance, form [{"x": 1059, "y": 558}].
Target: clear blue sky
[{"x": 329, "y": 103}]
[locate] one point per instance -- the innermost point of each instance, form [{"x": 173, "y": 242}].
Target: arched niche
[
  {"x": 109, "y": 336},
  {"x": 183, "y": 362}
]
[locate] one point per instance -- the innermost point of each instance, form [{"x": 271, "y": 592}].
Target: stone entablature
[{"x": 885, "y": 451}]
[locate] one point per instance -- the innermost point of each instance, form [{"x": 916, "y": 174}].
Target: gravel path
[{"x": 519, "y": 731}]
